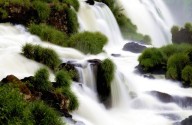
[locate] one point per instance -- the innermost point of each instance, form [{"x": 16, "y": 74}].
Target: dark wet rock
[
  {"x": 70, "y": 67},
  {"x": 58, "y": 101},
  {"x": 94, "y": 61},
  {"x": 148, "y": 76},
  {"x": 15, "y": 81},
  {"x": 71, "y": 121},
  {"x": 171, "y": 116},
  {"x": 187, "y": 121},
  {"x": 156, "y": 71},
  {"x": 116, "y": 55},
  {"x": 90, "y": 2},
  {"x": 166, "y": 98},
  {"x": 134, "y": 47}
]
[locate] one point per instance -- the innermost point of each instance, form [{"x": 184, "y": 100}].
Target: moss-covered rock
[{"x": 105, "y": 75}]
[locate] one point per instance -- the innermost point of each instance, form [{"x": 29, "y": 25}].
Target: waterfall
[
  {"x": 151, "y": 17},
  {"x": 100, "y": 18},
  {"x": 132, "y": 104}
]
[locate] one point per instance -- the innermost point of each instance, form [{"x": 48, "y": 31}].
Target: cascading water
[
  {"x": 131, "y": 102},
  {"x": 151, "y": 17}
]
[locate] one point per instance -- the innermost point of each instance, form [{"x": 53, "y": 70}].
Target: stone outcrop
[{"x": 134, "y": 47}]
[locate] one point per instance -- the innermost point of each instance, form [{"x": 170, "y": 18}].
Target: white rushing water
[
  {"x": 131, "y": 105},
  {"x": 151, "y": 17}
]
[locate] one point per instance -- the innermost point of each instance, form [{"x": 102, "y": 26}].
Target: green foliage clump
[
  {"x": 72, "y": 21},
  {"x": 73, "y": 101},
  {"x": 88, "y": 42},
  {"x": 46, "y": 56},
  {"x": 63, "y": 79},
  {"x": 42, "y": 114},
  {"x": 187, "y": 75},
  {"x": 25, "y": 3},
  {"x": 183, "y": 34},
  {"x": 105, "y": 75},
  {"x": 74, "y": 3},
  {"x": 49, "y": 33},
  {"x": 175, "y": 65},
  {"x": 42, "y": 9},
  {"x": 3, "y": 13},
  {"x": 152, "y": 59},
  {"x": 41, "y": 80},
  {"x": 12, "y": 106}
]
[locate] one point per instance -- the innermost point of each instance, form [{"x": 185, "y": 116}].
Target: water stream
[{"x": 131, "y": 104}]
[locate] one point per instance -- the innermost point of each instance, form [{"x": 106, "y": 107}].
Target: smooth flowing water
[
  {"x": 152, "y": 17},
  {"x": 131, "y": 102}
]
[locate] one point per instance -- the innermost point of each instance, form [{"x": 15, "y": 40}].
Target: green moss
[
  {"x": 28, "y": 51},
  {"x": 74, "y": 3},
  {"x": 42, "y": 114},
  {"x": 48, "y": 33},
  {"x": 46, "y": 56},
  {"x": 42, "y": 8},
  {"x": 41, "y": 80},
  {"x": 175, "y": 65},
  {"x": 63, "y": 79},
  {"x": 105, "y": 75},
  {"x": 73, "y": 101},
  {"x": 25, "y": 3},
  {"x": 88, "y": 42},
  {"x": 12, "y": 106},
  {"x": 187, "y": 75},
  {"x": 152, "y": 59}
]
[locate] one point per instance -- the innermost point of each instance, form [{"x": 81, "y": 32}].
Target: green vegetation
[
  {"x": 88, "y": 42},
  {"x": 151, "y": 59},
  {"x": 16, "y": 111},
  {"x": 25, "y": 3},
  {"x": 187, "y": 75},
  {"x": 175, "y": 65},
  {"x": 175, "y": 60},
  {"x": 73, "y": 3},
  {"x": 73, "y": 101},
  {"x": 105, "y": 75},
  {"x": 42, "y": 114},
  {"x": 46, "y": 56},
  {"x": 41, "y": 80},
  {"x": 42, "y": 9},
  {"x": 48, "y": 33},
  {"x": 63, "y": 79},
  {"x": 12, "y": 106},
  {"x": 183, "y": 34}
]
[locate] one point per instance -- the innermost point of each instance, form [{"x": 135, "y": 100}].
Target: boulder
[
  {"x": 18, "y": 83},
  {"x": 90, "y": 2},
  {"x": 187, "y": 121},
  {"x": 134, "y": 47},
  {"x": 70, "y": 67},
  {"x": 166, "y": 98}
]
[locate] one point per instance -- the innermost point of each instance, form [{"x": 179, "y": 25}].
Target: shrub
[
  {"x": 42, "y": 114},
  {"x": 175, "y": 65},
  {"x": 105, "y": 75},
  {"x": 25, "y": 3},
  {"x": 50, "y": 58},
  {"x": 74, "y": 3},
  {"x": 63, "y": 79},
  {"x": 12, "y": 106},
  {"x": 41, "y": 80},
  {"x": 49, "y": 33},
  {"x": 46, "y": 56},
  {"x": 28, "y": 51},
  {"x": 72, "y": 21},
  {"x": 152, "y": 59},
  {"x": 188, "y": 26},
  {"x": 169, "y": 50},
  {"x": 187, "y": 75},
  {"x": 73, "y": 101},
  {"x": 88, "y": 42},
  {"x": 174, "y": 29},
  {"x": 42, "y": 9}
]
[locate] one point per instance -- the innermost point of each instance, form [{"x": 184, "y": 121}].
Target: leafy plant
[{"x": 88, "y": 42}]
